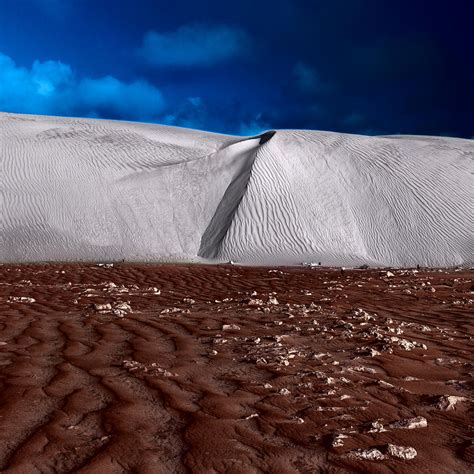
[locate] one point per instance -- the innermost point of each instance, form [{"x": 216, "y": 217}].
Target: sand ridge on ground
[
  {"x": 91, "y": 190},
  {"x": 192, "y": 368}
]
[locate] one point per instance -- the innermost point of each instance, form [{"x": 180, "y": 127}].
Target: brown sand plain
[{"x": 210, "y": 369}]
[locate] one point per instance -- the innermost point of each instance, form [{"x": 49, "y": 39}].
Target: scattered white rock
[
  {"x": 174, "y": 310},
  {"x": 21, "y": 299},
  {"x": 230, "y": 327},
  {"x": 371, "y": 454},
  {"x": 125, "y": 307},
  {"x": 410, "y": 423},
  {"x": 103, "y": 307},
  {"x": 118, "y": 309},
  {"x": 449, "y": 402},
  {"x": 401, "y": 452},
  {"x": 255, "y": 302},
  {"x": 253, "y": 415},
  {"x": 376, "y": 427},
  {"x": 338, "y": 440},
  {"x": 373, "y": 352}
]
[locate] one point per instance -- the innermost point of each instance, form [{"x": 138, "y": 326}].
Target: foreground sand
[{"x": 328, "y": 372}]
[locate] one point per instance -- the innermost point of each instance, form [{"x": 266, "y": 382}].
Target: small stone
[
  {"x": 103, "y": 307},
  {"x": 253, "y": 415},
  {"x": 285, "y": 392},
  {"x": 390, "y": 274},
  {"x": 21, "y": 299},
  {"x": 376, "y": 427},
  {"x": 448, "y": 402},
  {"x": 338, "y": 440},
  {"x": 401, "y": 452},
  {"x": 410, "y": 423},
  {"x": 255, "y": 302},
  {"x": 123, "y": 307},
  {"x": 371, "y": 454},
  {"x": 230, "y": 327},
  {"x": 406, "y": 345}
]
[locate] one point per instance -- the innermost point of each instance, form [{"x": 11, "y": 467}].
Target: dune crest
[{"x": 82, "y": 189}]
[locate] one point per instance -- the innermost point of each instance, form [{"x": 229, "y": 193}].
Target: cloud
[
  {"x": 253, "y": 126},
  {"x": 194, "y": 45},
  {"x": 192, "y": 113},
  {"x": 138, "y": 100},
  {"x": 50, "y": 87}
]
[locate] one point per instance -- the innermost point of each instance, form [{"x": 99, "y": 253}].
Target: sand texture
[
  {"x": 198, "y": 368},
  {"x": 92, "y": 190}
]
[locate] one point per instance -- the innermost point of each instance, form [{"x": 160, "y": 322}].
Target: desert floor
[{"x": 193, "y": 368}]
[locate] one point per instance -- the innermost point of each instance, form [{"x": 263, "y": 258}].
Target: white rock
[
  {"x": 255, "y": 302},
  {"x": 123, "y": 307},
  {"x": 230, "y": 327},
  {"x": 21, "y": 299},
  {"x": 338, "y": 440},
  {"x": 410, "y": 423},
  {"x": 448, "y": 402},
  {"x": 376, "y": 427},
  {"x": 372, "y": 454},
  {"x": 401, "y": 452},
  {"x": 103, "y": 307}
]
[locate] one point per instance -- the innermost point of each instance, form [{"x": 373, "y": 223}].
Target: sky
[{"x": 359, "y": 66}]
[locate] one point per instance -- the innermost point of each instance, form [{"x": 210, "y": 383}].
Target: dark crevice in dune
[
  {"x": 224, "y": 215},
  {"x": 265, "y": 137}
]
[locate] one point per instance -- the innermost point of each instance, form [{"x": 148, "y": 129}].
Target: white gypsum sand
[{"x": 81, "y": 189}]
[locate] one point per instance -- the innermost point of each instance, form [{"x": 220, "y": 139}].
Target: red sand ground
[{"x": 303, "y": 383}]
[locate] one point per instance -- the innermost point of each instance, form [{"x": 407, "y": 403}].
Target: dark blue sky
[{"x": 363, "y": 66}]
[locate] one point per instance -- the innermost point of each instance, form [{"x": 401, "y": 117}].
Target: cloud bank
[
  {"x": 51, "y": 87},
  {"x": 194, "y": 45}
]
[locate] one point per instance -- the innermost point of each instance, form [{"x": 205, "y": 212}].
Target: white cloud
[{"x": 50, "y": 87}]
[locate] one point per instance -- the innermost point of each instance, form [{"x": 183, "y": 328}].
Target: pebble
[
  {"x": 230, "y": 327},
  {"x": 21, "y": 299},
  {"x": 410, "y": 423},
  {"x": 401, "y": 452},
  {"x": 448, "y": 402},
  {"x": 371, "y": 454}
]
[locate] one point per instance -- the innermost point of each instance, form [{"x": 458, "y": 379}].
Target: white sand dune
[{"x": 80, "y": 189}]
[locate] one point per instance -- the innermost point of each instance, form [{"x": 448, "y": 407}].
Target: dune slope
[{"x": 80, "y": 189}]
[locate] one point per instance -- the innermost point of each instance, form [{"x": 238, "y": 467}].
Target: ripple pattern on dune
[{"x": 79, "y": 189}]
